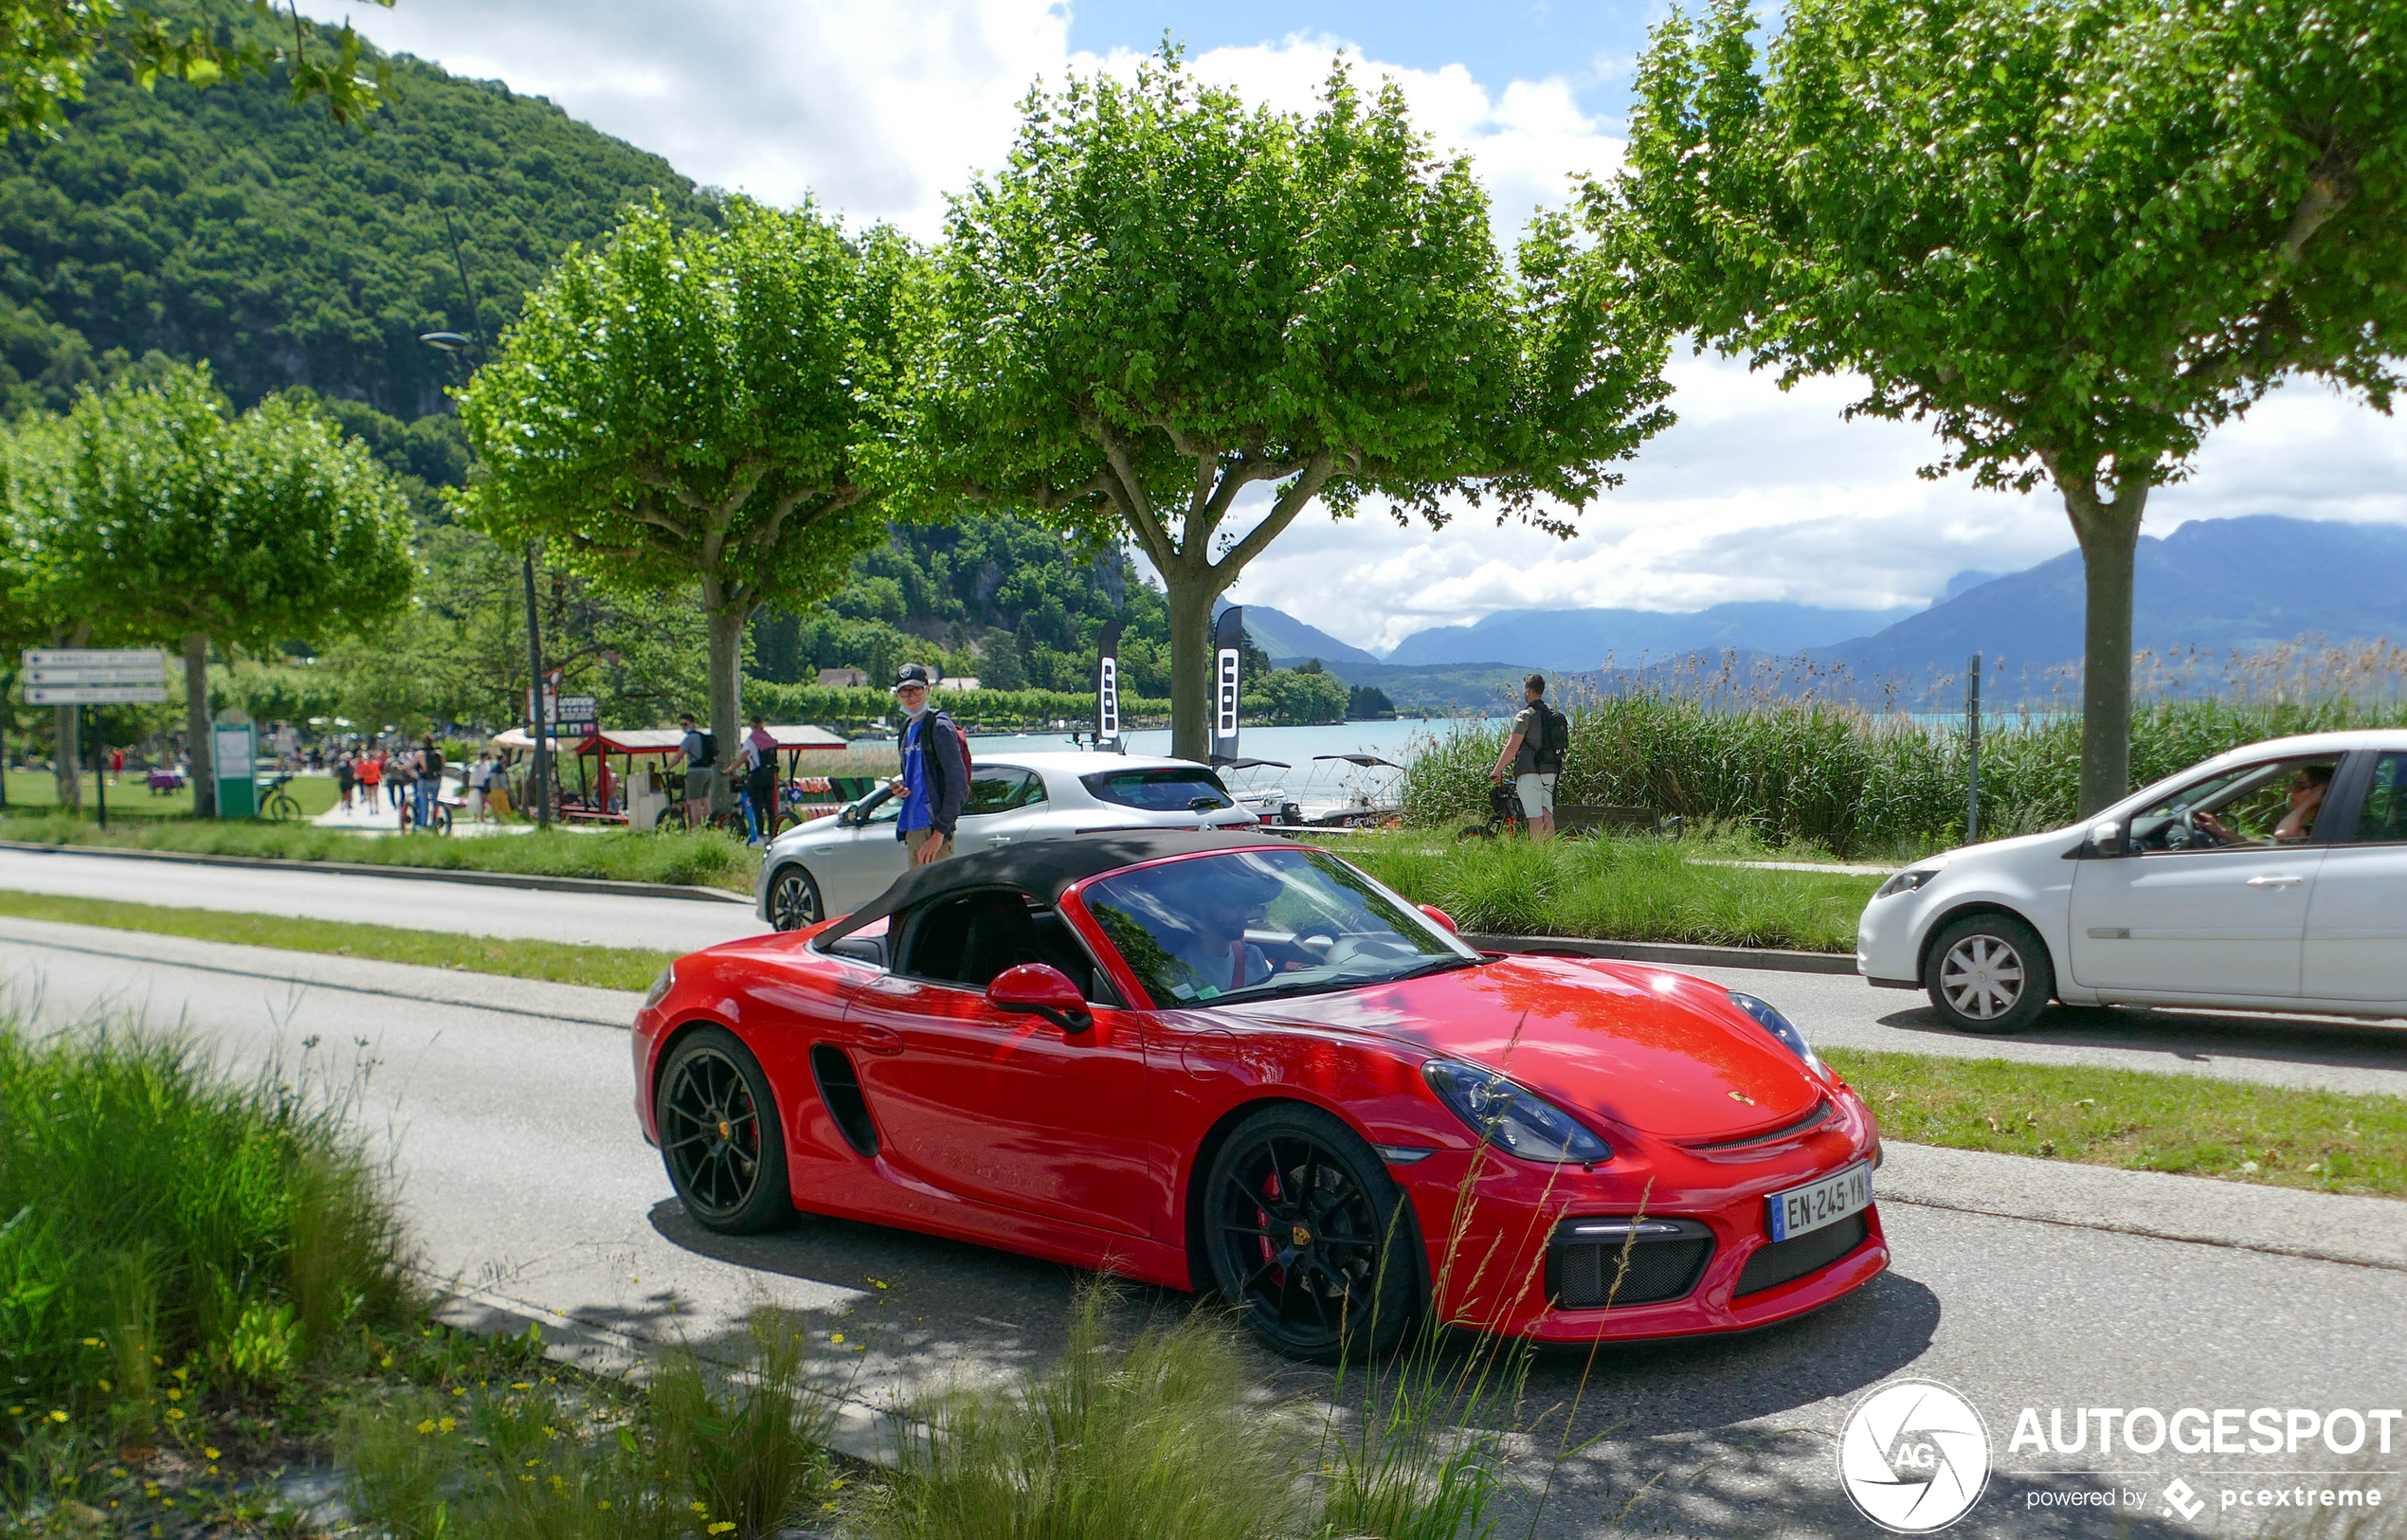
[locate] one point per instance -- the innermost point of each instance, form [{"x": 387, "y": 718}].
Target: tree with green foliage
[
  {"x": 48, "y": 46},
  {"x": 1166, "y": 300},
  {"x": 700, "y": 411},
  {"x": 1300, "y": 697},
  {"x": 2074, "y": 235},
  {"x": 152, "y": 514}
]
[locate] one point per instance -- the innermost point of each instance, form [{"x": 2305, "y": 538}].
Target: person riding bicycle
[{"x": 1534, "y": 753}]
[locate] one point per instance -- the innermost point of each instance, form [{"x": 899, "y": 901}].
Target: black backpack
[
  {"x": 710, "y": 752},
  {"x": 1554, "y": 740}
]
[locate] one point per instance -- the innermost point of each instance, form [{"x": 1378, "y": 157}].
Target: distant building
[
  {"x": 959, "y": 681},
  {"x": 842, "y": 678}
]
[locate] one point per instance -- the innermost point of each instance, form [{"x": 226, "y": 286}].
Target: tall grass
[
  {"x": 1843, "y": 778},
  {"x": 165, "y": 1231},
  {"x": 534, "y": 1461},
  {"x": 1160, "y": 1438}
]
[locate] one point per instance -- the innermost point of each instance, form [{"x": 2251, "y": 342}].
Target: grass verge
[
  {"x": 130, "y": 796},
  {"x": 2327, "y": 1141},
  {"x": 1624, "y": 889},
  {"x": 556, "y": 962},
  {"x": 700, "y": 858}
]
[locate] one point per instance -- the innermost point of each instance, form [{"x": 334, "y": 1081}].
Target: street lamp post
[{"x": 541, "y": 728}]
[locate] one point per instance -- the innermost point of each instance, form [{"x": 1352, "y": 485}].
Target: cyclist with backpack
[
  {"x": 935, "y": 770},
  {"x": 1533, "y": 753}
]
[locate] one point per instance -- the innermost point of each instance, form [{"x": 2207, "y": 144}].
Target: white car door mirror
[{"x": 2106, "y": 838}]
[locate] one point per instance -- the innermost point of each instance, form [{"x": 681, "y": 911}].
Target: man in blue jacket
[{"x": 935, "y": 770}]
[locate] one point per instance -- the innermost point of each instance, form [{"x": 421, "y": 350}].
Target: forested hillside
[{"x": 228, "y": 223}]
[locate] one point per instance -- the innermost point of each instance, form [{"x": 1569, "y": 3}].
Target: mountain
[
  {"x": 1288, "y": 641},
  {"x": 2219, "y": 585},
  {"x": 1581, "y": 639},
  {"x": 233, "y": 226}
]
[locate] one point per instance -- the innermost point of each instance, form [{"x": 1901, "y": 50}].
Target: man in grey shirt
[{"x": 1533, "y": 766}]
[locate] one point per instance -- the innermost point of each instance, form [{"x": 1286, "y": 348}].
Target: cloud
[
  {"x": 878, "y": 110},
  {"x": 881, "y": 110}
]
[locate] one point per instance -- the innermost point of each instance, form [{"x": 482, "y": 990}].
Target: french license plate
[{"x": 1804, "y": 1210}]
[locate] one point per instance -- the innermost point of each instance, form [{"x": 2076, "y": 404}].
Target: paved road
[
  {"x": 593, "y": 920},
  {"x": 525, "y": 1177},
  {"x": 1835, "y": 1009}
]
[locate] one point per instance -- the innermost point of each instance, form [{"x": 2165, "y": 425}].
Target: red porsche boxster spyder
[{"x": 1211, "y": 1062}]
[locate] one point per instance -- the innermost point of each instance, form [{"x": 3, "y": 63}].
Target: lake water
[{"x": 1329, "y": 780}]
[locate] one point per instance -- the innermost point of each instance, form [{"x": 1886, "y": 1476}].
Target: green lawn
[
  {"x": 130, "y": 798},
  {"x": 1621, "y": 889},
  {"x": 2137, "y": 1119},
  {"x": 702, "y": 858},
  {"x": 602, "y": 968}
]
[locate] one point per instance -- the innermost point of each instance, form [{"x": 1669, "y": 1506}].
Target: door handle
[
  {"x": 881, "y": 1040},
  {"x": 2275, "y": 881},
  {"x": 998, "y": 838}
]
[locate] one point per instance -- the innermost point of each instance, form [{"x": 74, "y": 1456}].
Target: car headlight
[
  {"x": 1781, "y": 1028},
  {"x": 1516, "y": 1121},
  {"x": 660, "y": 987},
  {"x": 1912, "y": 876}
]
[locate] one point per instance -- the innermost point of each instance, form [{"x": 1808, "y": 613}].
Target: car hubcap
[
  {"x": 710, "y": 1129},
  {"x": 793, "y": 905},
  {"x": 1981, "y": 977},
  {"x": 1300, "y": 1236}
]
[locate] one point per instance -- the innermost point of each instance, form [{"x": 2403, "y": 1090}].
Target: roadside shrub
[{"x": 163, "y": 1229}]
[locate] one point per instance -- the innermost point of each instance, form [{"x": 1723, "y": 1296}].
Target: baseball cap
[{"x": 913, "y": 673}]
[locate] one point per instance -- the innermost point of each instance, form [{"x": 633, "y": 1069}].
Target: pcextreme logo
[{"x": 1913, "y": 1456}]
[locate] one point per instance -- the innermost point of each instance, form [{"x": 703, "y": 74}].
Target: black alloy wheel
[
  {"x": 1989, "y": 973},
  {"x": 720, "y": 1137},
  {"x": 793, "y": 899},
  {"x": 1307, "y": 1233}
]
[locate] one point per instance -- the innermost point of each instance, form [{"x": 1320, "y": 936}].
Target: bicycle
[
  {"x": 1504, "y": 816},
  {"x": 438, "y": 816},
  {"x": 276, "y": 804}
]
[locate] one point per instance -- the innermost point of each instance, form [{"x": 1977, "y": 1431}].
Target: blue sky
[
  {"x": 1590, "y": 44},
  {"x": 879, "y": 109}
]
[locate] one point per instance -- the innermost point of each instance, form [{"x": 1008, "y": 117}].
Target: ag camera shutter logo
[{"x": 1913, "y": 1456}]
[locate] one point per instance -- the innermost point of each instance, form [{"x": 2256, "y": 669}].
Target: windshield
[
  {"x": 1181, "y": 790},
  {"x": 1255, "y": 924}
]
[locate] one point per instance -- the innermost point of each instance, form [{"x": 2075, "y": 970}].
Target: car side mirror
[
  {"x": 2106, "y": 838},
  {"x": 1040, "y": 990},
  {"x": 1446, "y": 921}
]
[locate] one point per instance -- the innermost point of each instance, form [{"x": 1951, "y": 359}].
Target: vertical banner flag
[
  {"x": 1107, "y": 690},
  {"x": 1227, "y": 637}
]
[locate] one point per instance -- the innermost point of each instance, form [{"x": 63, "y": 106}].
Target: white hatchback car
[
  {"x": 833, "y": 864},
  {"x": 2271, "y": 878}
]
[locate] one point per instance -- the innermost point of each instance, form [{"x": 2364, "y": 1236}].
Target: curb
[
  {"x": 1668, "y": 952},
  {"x": 534, "y": 881}
]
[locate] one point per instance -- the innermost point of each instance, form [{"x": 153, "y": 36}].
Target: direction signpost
[{"x": 80, "y": 677}]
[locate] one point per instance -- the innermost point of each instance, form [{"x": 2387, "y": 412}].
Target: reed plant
[{"x": 1810, "y": 761}]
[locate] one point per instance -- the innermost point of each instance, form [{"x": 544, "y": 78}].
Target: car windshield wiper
[
  {"x": 1437, "y": 965},
  {"x": 1281, "y": 988}
]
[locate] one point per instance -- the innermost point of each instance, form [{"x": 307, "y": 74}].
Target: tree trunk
[
  {"x": 200, "y": 747},
  {"x": 726, "y": 630},
  {"x": 1191, "y": 596},
  {"x": 2109, "y": 536},
  {"x": 69, "y": 761}
]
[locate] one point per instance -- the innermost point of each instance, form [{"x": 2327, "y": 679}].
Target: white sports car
[
  {"x": 833, "y": 864},
  {"x": 2272, "y": 878}
]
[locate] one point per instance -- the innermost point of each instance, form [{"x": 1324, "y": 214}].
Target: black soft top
[{"x": 1043, "y": 867}]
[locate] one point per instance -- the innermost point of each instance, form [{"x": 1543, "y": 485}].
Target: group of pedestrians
[
  {"x": 752, "y": 773},
  {"x": 411, "y": 778}
]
